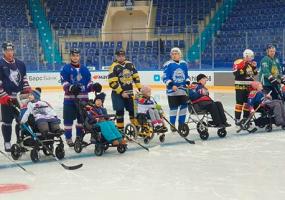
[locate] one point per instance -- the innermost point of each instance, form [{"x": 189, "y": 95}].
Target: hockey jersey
[
  {"x": 244, "y": 72},
  {"x": 175, "y": 73},
  {"x": 13, "y": 78},
  {"x": 269, "y": 66},
  {"x": 122, "y": 77},
  {"x": 198, "y": 93},
  {"x": 41, "y": 110},
  {"x": 71, "y": 75},
  {"x": 255, "y": 98}
]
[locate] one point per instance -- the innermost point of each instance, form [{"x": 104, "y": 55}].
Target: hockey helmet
[
  {"x": 120, "y": 52},
  {"x": 248, "y": 53},
  {"x": 7, "y": 46},
  {"x": 176, "y": 50},
  {"x": 74, "y": 51}
]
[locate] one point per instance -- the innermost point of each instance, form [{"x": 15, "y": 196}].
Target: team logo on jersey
[
  {"x": 274, "y": 71},
  {"x": 178, "y": 76},
  {"x": 15, "y": 76},
  {"x": 126, "y": 77}
]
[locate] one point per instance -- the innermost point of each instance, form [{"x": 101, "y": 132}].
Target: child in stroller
[
  {"x": 261, "y": 102},
  {"x": 104, "y": 133},
  {"x": 44, "y": 123}
]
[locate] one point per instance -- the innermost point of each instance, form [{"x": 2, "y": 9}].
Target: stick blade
[
  {"x": 74, "y": 167},
  {"x": 189, "y": 141}
]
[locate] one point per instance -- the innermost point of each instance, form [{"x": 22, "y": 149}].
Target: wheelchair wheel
[
  {"x": 59, "y": 152},
  {"x": 35, "y": 157},
  {"x": 99, "y": 150},
  {"x": 222, "y": 132},
  {"x": 162, "y": 138},
  {"x": 202, "y": 127},
  {"x": 183, "y": 130},
  {"x": 131, "y": 131},
  {"x": 121, "y": 148},
  {"x": 16, "y": 152},
  {"x": 46, "y": 152},
  {"x": 268, "y": 128},
  {"x": 146, "y": 140},
  {"x": 77, "y": 145},
  {"x": 204, "y": 135}
]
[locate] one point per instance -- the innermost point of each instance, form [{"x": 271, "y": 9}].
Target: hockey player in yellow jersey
[{"x": 122, "y": 76}]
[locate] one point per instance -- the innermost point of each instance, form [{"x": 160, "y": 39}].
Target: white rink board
[{"x": 52, "y": 79}]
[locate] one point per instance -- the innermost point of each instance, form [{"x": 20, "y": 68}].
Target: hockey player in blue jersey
[
  {"x": 76, "y": 81},
  {"x": 13, "y": 79},
  {"x": 176, "y": 78}
]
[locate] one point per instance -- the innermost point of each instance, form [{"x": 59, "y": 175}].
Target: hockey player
[
  {"x": 13, "y": 79},
  {"x": 244, "y": 71},
  {"x": 176, "y": 79},
  {"x": 76, "y": 81},
  {"x": 122, "y": 75},
  {"x": 270, "y": 74}
]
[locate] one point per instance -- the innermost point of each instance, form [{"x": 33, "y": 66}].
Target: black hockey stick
[
  {"x": 171, "y": 125},
  {"x": 50, "y": 151},
  {"x": 186, "y": 139},
  {"x": 13, "y": 161},
  {"x": 133, "y": 140}
]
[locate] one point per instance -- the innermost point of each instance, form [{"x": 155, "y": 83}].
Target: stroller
[
  {"x": 97, "y": 138},
  {"x": 30, "y": 139},
  {"x": 202, "y": 124},
  {"x": 143, "y": 126}
]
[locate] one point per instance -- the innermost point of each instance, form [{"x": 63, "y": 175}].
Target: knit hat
[
  {"x": 255, "y": 84},
  {"x": 101, "y": 96},
  {"x": 37, "y": 94},
  {"x": 201, "y": 76}
]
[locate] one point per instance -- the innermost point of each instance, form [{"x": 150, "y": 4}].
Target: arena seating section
[
  {"x": 252, "y": 24},
  {"x": 15, "y": 27},
  {"x": 255, "y": 23}
]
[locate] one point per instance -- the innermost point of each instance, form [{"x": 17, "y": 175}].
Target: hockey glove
[
  {"x": 6, "y": 100},
  {"x": 283, "y": 79},
  {"x": 273, "y": 80},
  {"x": 75, "y": 89},
  {"x": 97, "y": 87}
]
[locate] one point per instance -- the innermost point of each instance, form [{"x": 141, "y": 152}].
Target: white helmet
[
  {"x": 177, "y": 50},
  {"x": 248, "y": 53}
]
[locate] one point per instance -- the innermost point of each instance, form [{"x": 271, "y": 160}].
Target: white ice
[{"x": 240, "y": 166}]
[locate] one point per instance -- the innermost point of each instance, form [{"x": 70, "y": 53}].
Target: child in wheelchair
[
  {"x": 43, "y": 115},
  {"x": 147, "y": 108},
  {"x": 258, "y": 101},
  {"x": 99, "y": 119}
]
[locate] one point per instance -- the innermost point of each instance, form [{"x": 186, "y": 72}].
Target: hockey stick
[
  {"x": 133, "y": 140},
  {"x": 50, "y": 151},
  {"x": 187, "y": 140},
  {"x": 13, "y": 161}
]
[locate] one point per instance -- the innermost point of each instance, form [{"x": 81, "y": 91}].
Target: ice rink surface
[{"x": 240, "y": 166}]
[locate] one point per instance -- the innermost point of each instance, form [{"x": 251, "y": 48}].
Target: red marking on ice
[{"x": 11, "y": 188}]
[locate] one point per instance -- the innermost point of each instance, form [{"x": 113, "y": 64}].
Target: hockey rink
[{"x": 239, "y": 166}]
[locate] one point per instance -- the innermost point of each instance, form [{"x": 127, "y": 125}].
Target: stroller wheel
[
  {"x": 183, "y": 130},
  {"x": 204, "y": 135},
  {"x": 146, "y": 140},
  {"x": 35, "y": 155},
  {"x": 99, "y": 150},
  {"x": 59, "y": 152},
  {"x": 121, "y": 148},
  {"x": 202, "y": 127},
  {"x": 162, "y": 138},
  {"x": 222, "y": 132},
  {"x": 77, "y": 145},
  {"x": 131, "y": 131},
  {"x": 268, "y": 128},
  {"x": 46, "y": 152},
  {"x": 16, "y": 151}
]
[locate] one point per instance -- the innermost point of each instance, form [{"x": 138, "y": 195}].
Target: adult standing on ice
[
  {"x": 76, "y": 81},
  {"x": 13, "y": 79},
  {"x": 176, "y": 79}
]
